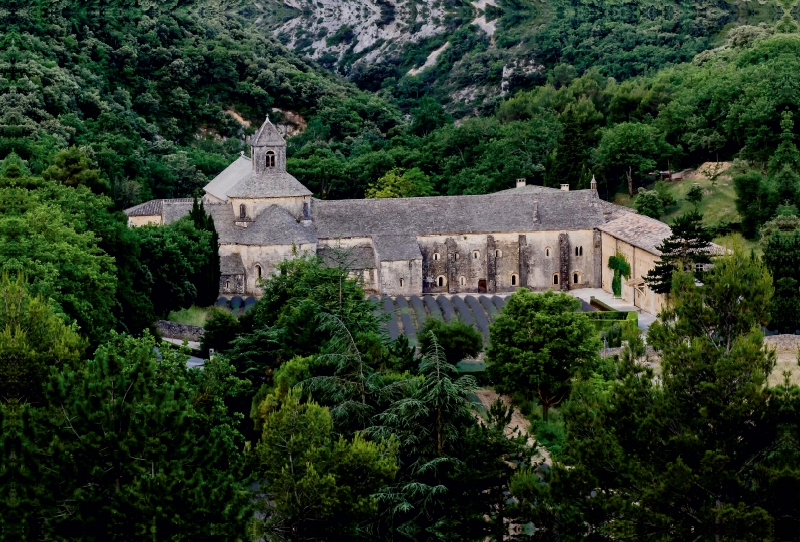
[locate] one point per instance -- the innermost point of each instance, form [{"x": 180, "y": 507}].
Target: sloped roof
[
  {"x": 392, "y": 248},
  {"x": 446, "y": 215},
  {"x": 358, "y": 257},
  {"x": 270, "y": 184},
  {"x": 529, "y": 189},
  {"x": 231, "y": 264},
  {"x": 274, "y": 226},
  {"x": 175, "y": 209},
  {"x": 228, "y": 177},
  {"x": 267, "y": 135},
  {"x": 638, "y": 230}
]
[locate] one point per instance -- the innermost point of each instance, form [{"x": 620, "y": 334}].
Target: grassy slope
[{"x": 718, "y": 205}]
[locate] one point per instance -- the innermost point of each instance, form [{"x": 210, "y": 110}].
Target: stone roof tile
[
  {"x": 393, "y": 248},
  {"x": 358, "y": 257},
  {"x": 638, "y": 230},
  {"x": 457, "y": 215},
  {"x": 231, "y": 264},
  {"x": 267, "y": 135},
  {"x": 228, "y": 177},
  {"x": 270, "y": 184}
]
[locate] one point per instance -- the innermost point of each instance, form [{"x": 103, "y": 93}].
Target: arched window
[
  {"x": 498, "y": 253},
  {"x": 435, "y": 256},
  {"x": 581, "y": 254},
  {"x": 513, "y": 280},
  {"x": 242, "y": 211},
  {"x": 476, "y": 254},
  {"x": 401, "y": 283},
  {"x": 227, "y": 285},
  {"x": 258, "y": 271},
  {"x": 440, "y": 280},
  {"x": 576, "y": 278},
  {"x": 270, "y": 162},
  {"x": 456, "y": 256},
  {"x": 578, "y": 251},
  {"x": 547, "y": 252},
  {"x": 462, "y": 281},
  {"x": 555, "y": 278}
]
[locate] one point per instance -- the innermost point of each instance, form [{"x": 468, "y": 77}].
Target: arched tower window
[
  {"x": 270, "y": 159},
  {"x": 513, "y": 280},
  {"x": 476, "y": 254},
  {"x": 436, "y": 257},
  {"x": 242, "y": 211},
  {"x": 258, "y": 271},
  {"x": 401, "y": 282},
  {"x": 498, "y": 253},
  {"x": 578, "y": 251},
  {"x": 462, "y": 281},
  {"x": 547, "y": 252},
  {"x": 576, "y": 278},
  {"x": 440, "y": 281},
  {"x": 555, "y": 278}
]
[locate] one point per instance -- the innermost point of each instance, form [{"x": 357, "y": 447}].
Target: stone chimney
[
  {"x": 593, "y": 184},
  {"x": 565, "y": 187},
  {"x": 521, "y": 182},
  {"x": 536, "y": 211}
]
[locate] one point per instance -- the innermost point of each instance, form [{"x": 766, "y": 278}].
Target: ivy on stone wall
[{"x": 621, "y": 268}]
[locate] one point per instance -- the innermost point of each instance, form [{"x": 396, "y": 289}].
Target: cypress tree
[
  {"x": 686, "y": 249},
  {"x": 206, "y": 279}
]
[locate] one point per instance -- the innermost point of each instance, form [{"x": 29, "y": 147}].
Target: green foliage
[
  {"x": 619, "y": 264},
  {"x": 71, "y": 167},
  {"x": 649, "y": 203},
  {"x": 220, "y": 330},
  {"x": 456, "y": 339},
  {"x": 206, "y": 277},
  {"x": 625, "y": 436},
  {"x": 695, "y": 195},
  {"x": 319, "y": 486},
  {"x": 539, "y": 344},
  {"x": 33, "y": 340},
  {"x": 174, "y": 255},
  {"x": 781, "y": 244},
  {"x": 687, "y": 249},
  {"x": 401, "y": 184}
]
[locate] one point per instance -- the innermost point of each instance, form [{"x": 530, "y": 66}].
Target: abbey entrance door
[{"x": 482, "y": 286}]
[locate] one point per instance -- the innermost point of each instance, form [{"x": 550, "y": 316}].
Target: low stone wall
[
  {"x": 171, "y": 330},
  {"x": 783, "y": 343}
]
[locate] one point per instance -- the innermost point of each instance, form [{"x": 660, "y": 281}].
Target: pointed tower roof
[{"x": 267, "y": 136}]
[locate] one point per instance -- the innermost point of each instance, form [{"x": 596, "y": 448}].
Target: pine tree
[
  {"x": 781, "y": 244},
  {"x": 687, "y": 249},
  {"x": 134, "y": 452}
]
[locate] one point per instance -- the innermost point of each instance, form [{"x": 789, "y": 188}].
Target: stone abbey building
[{"x": 532, "y": 236}]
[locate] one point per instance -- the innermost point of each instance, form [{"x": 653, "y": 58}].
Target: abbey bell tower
[{"x": 268, "y": 150}]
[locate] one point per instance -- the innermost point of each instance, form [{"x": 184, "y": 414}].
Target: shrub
[{"x": 457, "y": 339}]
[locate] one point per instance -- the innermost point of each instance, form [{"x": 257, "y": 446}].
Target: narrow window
[
  {"x": 227, "y": 285},
  {"x": 555, "y": 278},
  {"x": 401, "y": 283},
  {"x": 462, "y": 281},
  {"x": 270, "y": 159},
  {"x": 581, "y": 254},
  {"x": 435, "y": 256},
  {"x": 498, "y": 253},
  {"x": 513, "y": 280},
  {"x": 456, "y": 256},
  {"x": 575, "y": 278},
  {"x": 242, "y": 211},
  {"x": 258, "y": 271},
  {"x": 476, "y": 255},
  {"x": 547, "y": 252},
  {"x": 440, "y": 281},
  {"x": 576, "y": 251}
]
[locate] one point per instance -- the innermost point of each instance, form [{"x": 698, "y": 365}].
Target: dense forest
[{"x": 309, "y": 422}]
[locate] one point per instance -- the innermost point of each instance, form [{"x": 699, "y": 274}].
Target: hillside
[{"x": 471, "y": 54}]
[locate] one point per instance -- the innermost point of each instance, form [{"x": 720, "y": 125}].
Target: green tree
[
  {"x": 780, "y": 239},
  {"x": 206, "y": 278},
  {"x": 702, "y": 425},
  {"x": 687, "y": 249},
  {"x": 220, "y": 330},
  {"x": 34, "y": 339},
  {"x": 71, "y": 167},
  {"x": 753, "y": 201},
  {"x": 695, "y": 195},
  {"x": 137, "y": 449},
  {"x": 631, "y": 149},
  {"x": 399, "y": 183},
  {"x": 539, "y": 344},
  {"x": 318, "y": 487},
  {"x": 649, "y": 203},
  {"x": 456, "y": 339}
]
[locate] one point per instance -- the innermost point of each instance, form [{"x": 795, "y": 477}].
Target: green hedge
[{"x": 628, "y": 321}]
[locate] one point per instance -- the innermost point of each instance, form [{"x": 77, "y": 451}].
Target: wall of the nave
[{"x": 267, "y": 257}]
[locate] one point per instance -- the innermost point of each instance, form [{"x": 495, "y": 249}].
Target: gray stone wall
[{"x": 171, "y": 330}]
